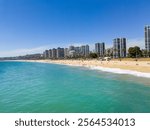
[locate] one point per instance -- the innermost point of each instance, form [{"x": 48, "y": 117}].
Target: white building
[
  {"x": 147, "y": 38},
  {"x": 119, "y": 48},
  {"x": 100, "y": 49}
]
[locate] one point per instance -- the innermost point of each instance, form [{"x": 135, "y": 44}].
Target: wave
[
  {"x": 115, "y": 70},
  {"x": 121, "y": 71}
]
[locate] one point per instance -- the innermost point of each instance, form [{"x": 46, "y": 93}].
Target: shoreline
[{"x": 139, "y": 69}]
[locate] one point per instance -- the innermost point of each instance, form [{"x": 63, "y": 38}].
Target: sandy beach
[{"x": 138, "y": 67}]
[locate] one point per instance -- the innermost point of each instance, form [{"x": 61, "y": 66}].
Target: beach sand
[{"x": 138, "y": 66}]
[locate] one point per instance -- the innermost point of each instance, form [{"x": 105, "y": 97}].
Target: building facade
[
  {"x": 77, "y": 51},
  {"x": 147, "y": 38},
  {"x": 84, "y": 50},
  {"x": 87, "y": 50},
  {"x": 60, "y": 53},
  {"x": 119, "y": 48},
  {"x": 54, "y": 53},
  {"x": 100, "y": 49},
  {"x": 45, "y": 54},
  {"x": 66, "y": 52},
  {"x": 49, "y": 53},
  {"x": 72, "y": 52},
  {"x": 71, "y": 48}
]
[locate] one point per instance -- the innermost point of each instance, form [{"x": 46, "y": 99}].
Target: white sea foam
[
  {"x": 121, "y": 71},
  {"x": 115, "y": 70}
]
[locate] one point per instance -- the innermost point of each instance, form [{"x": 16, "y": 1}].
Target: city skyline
[
  {"x": 68, "y": 52},
  {"x": 118, "y": 49},
  {"x": 92, "y": 47},
  {"x": 31, "y": 27}
]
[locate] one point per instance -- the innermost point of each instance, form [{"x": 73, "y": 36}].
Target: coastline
[{"x": 135, "y": 68}]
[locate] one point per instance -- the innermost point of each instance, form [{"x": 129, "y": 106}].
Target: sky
[{"x": 31, "y": 26}]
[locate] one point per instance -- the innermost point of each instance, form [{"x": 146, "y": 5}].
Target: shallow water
[{"x": 38, "y": 87}]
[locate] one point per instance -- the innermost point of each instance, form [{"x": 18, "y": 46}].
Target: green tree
[
  {"x": 144, "y": 53},
  {"x": 93, "y": 55},
  {"x": 135, "y": 52},
  {"x": 148, "y": 53}
]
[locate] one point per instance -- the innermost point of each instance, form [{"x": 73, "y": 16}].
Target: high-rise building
[
  {"x": 60, "y": 53},
  {"x": 77, "y": 51},
  {"x": 45, "y": 54},
  {"x": 54, "y": 53},
  {"x": 100, "y": 49},
  {"x": 97, "y": 48},
  {"x": 66, "y": 52},
  {"x": 71, "y": 48},
  {"x": 147, "y": 38},
  {"x": 87, "y": 50},
  {"x": 50, "y": 53},
  {"x": 72, "y": 53},
  {"x": 82, "y": 50},
  {"x": 119, "y": 47}
]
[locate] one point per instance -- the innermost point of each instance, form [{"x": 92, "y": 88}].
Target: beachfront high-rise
[
  {"x": 66, "y": 52},
  {"x": 147, "y": 38},
  {"x": 60, "y": 53},
  {"x": 119, "y": 48},
  {"x": 45, "y": 54},
  {"x": 100, "y": 49},
  {"x": 87, "y": 50},
  {"x": 71, "y": 48},
  {"x": 54, "y": 53},
  {"x": 71, "y": 51},
  {"x": 50, "y": 53},
  {"x": 77, "y": 50},
  {"x": 84, "y": 50}
]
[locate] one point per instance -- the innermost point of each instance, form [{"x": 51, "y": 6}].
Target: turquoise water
[{"x": 37, "y": 87}]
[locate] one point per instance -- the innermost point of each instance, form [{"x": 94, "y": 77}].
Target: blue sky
[{"x": 30, "y": 26}]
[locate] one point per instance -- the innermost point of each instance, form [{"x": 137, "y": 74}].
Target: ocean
[{"x": 50, "y": 88}]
